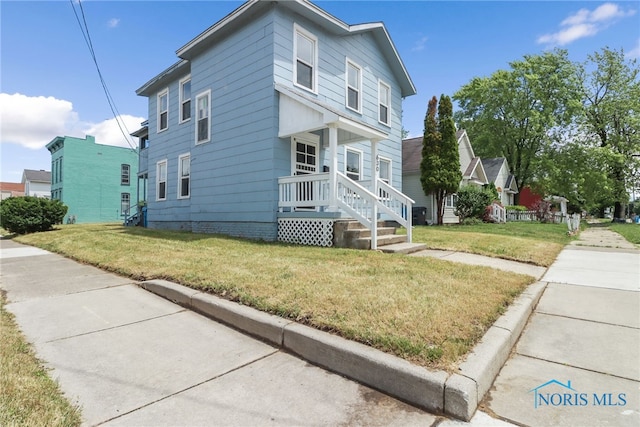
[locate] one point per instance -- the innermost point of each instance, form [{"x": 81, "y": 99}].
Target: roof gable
[
  {"x": 36, "y": 176},
  {"x": 245, "y": 13},
  {"x": 493, "y": 166}
]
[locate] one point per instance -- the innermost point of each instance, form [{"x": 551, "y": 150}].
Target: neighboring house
[
  {"x": 472, "y": 174},
  {"x": 276, "y": 122},
  {"x": 497, "y": 170},
  {"x": 96, "y": 182},
  {"x": 11, "y": 189},
  {"x": 37, "y": 183}
]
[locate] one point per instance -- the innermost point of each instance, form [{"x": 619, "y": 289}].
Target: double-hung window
[
  {"x": 451, "y": 201},
  {"x": 353, "y": 164},
  {"x": 305, "y": 47},
  {"x": 124, "y": 174},
  {"x": 354, "y": 86},
  {"x": 163, "y": 110},
  {"x": 185, "y": 99},
  {"x": 384, "y": 102},
  {"x": 385, "y": 170},
  {"x": 161, "y": 180},
  {"x": 203, "y": 112},
  {"x": 125, "y": 202},
  {"x": 184, "y": 176}
]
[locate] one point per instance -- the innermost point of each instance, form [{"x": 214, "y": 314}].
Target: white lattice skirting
[{"x": 310, "y": 232}]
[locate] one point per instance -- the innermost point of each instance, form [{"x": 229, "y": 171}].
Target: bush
[
  {"x": 23, "y": 215},
  {"x": 517, "y": 208},
  {"x": 472, "y": 202}
]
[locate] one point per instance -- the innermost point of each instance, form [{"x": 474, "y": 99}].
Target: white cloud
[
  {"x": 108, "y": 132},
  {"x": 420, "y": 44},
  {"x": 113, "y": 22},
  {"x": 585, "y": 23},
  {"x": 33, "y": 122},
  {"x": 635, "y": 51}
]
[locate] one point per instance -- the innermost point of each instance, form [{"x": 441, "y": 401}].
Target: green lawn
[
  {"x": 425, "y": 310},
  {"x": 529, "y": 242}
]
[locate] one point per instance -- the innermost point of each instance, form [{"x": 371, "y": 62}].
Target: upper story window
[
  {"x": 163, "y": 110},
  {"x": 203, "y": 112},
  {"x": 161, "y": 180},
  {"x": 353, "y": 164},
  {"x": 354, "y": 86},
  {"x": 124, "y": 174},
  {"x": 144, "y": 142},
  {"x": 184, "y": 176},
  {"x": 185, "y": 99},
  {"x": 384, "y": 102},
  {"x": 385, "y": 170},
  {"x": 305, "y": 51}
]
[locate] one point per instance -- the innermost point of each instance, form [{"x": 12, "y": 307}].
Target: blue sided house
[{"x": 279, "y": 122}]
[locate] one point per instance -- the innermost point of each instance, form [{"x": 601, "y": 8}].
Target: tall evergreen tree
[{"x": 440, "y": 166}]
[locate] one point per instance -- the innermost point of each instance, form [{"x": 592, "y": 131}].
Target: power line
[{"x": 112, "y": 105}]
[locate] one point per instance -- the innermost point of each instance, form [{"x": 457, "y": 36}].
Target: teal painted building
[{"x": 97, "y": 182}]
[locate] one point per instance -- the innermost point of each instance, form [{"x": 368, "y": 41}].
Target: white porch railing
[
  {"x": 312, "y": 193},
  {"x": 498, "y": 213},
  {"x": 303, "y": 192}
]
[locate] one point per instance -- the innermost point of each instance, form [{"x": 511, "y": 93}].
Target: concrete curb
[{"x": 456, "y": 395}]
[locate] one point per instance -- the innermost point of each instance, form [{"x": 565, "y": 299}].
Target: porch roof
[{"x": 301, "y": 113}]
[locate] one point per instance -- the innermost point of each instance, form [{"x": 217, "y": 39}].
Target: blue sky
[{"x": 49, "y": 85}]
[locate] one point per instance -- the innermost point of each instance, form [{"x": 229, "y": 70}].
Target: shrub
[
  {"x": 23, "y": 215},
  {"x": 472, "y": 202},
  {"x": 518, "y": 208}
]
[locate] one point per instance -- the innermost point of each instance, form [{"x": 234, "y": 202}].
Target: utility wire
[{"x": 112, "y": 105}]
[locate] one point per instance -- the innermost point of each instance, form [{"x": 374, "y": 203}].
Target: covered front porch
[{"x": 312, "y": 203}]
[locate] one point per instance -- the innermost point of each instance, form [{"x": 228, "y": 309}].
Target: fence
[{"x": 555, "y": 217}]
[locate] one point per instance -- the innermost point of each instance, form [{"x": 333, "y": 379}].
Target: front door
[{"x": 305, "y": 160}]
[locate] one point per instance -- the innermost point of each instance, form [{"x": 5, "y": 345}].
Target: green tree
[
  {"x": 440, "y": 166},
  {"x": 511, "y": 112},
  {"x": 611, "y": 118}
]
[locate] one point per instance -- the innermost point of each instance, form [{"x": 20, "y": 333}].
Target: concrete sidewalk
[
  {"x": 132, "y": 358},
  {"x": 577, "y": 362},
  {"x": 129, "y": 357}
]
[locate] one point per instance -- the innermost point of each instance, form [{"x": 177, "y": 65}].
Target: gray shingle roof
[
  {"x": 492, "y": 167},
  {"x": 37, "y": 176},
  {"x": 411, "y": 154}
]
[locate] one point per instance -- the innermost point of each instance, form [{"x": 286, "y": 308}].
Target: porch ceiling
[{"x": 300, "y": 113}]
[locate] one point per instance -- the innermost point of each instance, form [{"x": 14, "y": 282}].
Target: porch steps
[{"x": 352, "y": 234}]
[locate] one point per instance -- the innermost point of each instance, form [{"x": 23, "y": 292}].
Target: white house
[{"x": 37, "y": 183}]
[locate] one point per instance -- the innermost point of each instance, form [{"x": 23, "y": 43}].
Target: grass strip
[{"x": 29, "y": 396}]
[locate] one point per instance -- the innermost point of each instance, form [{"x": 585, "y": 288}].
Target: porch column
[
  {"x": 375, "y": 173},
  {"x": 333, "y": 169},
  {"x": 375, "y": 166}
]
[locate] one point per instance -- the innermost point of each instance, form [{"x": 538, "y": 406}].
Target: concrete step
[
  {"x": 364, "y": 232},
  {"x": 403, "y": 248},
  {"x": 365, "y": 243}
]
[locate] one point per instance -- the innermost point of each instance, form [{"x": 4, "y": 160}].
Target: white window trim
[
  {"x": 182, "y": 101},
  {"x": 206, "y": 93},
  {"x": 361, "y": 156},
  {"x": 382, "y": 83},
  {"x": 346, "y": 85},
  {"x": 161, "y": 94},
  {"x": 180, "y": 157},
  {"x": 314, "y": 73},
  {"x": 166, "y": 168},
  {"x": 388, "y": 160}
]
